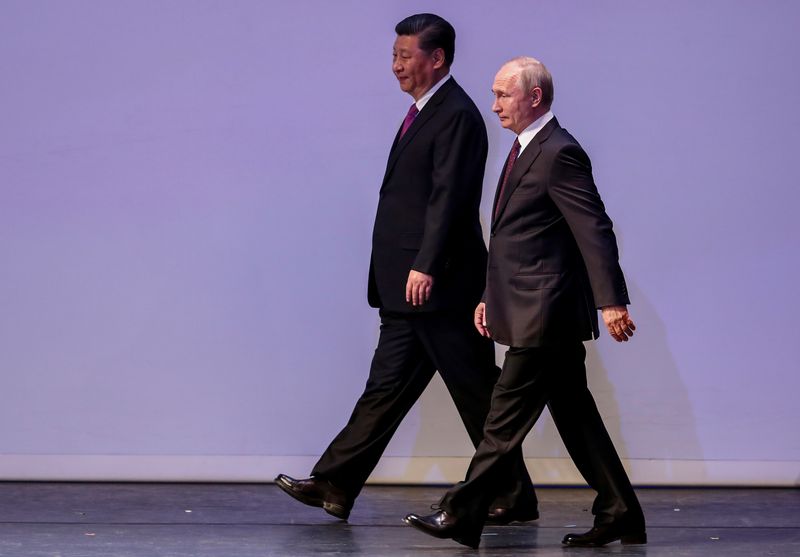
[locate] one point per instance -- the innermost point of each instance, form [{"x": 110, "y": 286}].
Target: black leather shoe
[
  {"x": 502, "y": 516},
  {"x": 443, "y": 525},
  {"x": 605, "y": 534},
  {"x": 317, "y": 492}
]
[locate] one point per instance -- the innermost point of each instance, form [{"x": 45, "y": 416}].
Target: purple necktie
[
  {"x": 512, "y": 158},
  {"x": 412, "y": 113}
]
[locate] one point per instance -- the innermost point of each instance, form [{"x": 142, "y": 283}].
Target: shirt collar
[
  {"x": 423, "y": 100},
  {"x": 535, "y": 127}
]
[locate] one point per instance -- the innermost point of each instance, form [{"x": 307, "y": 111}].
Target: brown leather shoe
[
  {"x": 317, "y": 492},
  {"x": 444, "y": 525},
  {"x": 502, "y": 516}
]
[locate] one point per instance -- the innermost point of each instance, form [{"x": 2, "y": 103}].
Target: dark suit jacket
[
  {"x": 553, "y": 256},
  {"x": 428, "y": 211}
]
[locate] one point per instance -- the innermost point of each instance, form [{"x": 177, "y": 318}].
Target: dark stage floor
[{"x": 235, "y": 520}]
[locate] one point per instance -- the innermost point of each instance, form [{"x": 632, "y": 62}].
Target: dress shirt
[
  {"x": 423, "y": 100},
  {"x": 530, "y": 132}
]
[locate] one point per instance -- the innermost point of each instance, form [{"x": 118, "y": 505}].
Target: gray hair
[{"x": 533, "y": 73}]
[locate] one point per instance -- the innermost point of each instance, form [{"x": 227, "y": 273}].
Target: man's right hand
[{"x": 480, "y": 320}]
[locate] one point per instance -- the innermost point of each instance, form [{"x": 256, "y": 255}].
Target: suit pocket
[
  {"x": 411, "y": 240},
  {"x": 536, "y": 282}
]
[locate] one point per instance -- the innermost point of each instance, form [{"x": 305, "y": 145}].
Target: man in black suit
[
  {"x": 426, "y": 275},
  {"x": 552, "y": 261}
]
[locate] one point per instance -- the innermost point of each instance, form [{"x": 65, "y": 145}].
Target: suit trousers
[
  {"x": 554, "y": 376},
  {"x": 411, "y": 347}
]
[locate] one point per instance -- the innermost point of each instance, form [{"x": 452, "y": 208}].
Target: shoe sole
[
  {"x": 332, "y": 509},
  {"x": 469, "y": 542},
  {"x": 629, "y": 539},
  {"x": 634, "y": 539},
  {"x": 491, "y": 522}
]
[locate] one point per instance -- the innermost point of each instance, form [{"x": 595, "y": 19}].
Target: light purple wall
[{"x": 187, "y": 191}]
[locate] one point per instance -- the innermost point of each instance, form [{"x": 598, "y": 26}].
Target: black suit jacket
[
  {"x": 428, "y": 211},
  {"x": 553, "y": 256}
]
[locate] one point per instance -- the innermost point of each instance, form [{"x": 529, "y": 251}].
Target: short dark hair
[{"x": 433, "y": 32}]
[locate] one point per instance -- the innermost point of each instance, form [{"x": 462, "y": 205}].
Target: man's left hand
[
  {"x": 618, "y": 322},
  {"x": 418, "y": 288}
]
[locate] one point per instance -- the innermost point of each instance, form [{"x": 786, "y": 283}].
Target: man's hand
[
  {"x": 418, "y": 288},
  {"x": 480, "y": 320},
  {"x": 618, "y": 322}
]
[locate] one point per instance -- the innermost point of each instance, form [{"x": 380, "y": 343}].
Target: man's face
[
  {"x": 513, "y": 106},
  {"x": 413, "y": 67}
]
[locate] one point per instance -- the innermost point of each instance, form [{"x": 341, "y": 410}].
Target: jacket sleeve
[
  {"x": 572, "y": 189},
  {"x": 459, "y": 159}
]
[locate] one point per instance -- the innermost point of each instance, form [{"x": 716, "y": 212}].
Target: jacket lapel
[
  {"x": 425, "y": 115},
  {"x": 523, "y": 164}
]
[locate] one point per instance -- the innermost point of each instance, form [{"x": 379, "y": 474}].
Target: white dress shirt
[
  {"x": 423, "y": 100},
  {"x": 530, "y": 132}
]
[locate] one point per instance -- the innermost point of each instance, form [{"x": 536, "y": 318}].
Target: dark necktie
[
  {"x": 412, "y": 113},
  {"x": 512, "y": 158}
]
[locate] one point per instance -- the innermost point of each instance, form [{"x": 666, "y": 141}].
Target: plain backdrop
[{"x": 187, "y": 191}]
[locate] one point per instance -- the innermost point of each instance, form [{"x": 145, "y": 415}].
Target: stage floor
[{"x": 238, "y": 520}]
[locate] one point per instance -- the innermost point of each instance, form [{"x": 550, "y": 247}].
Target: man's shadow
[
  {"x": 643, "y": 401},
  {"x": 639, "y": 393}
]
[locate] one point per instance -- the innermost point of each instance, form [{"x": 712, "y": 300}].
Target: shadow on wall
[
  {"x": 642, "y": 398},
  {"x": 639, "y": 393}
]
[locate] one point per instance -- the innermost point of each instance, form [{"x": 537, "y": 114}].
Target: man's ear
[
  {"x": 536, "y": 96},
  {"x": 438, "y": 58}
]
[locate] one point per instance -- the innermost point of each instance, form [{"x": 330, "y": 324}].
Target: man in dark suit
[
  {"x": 426, "y": 275},
  {"x": 552, "y": 261}
]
